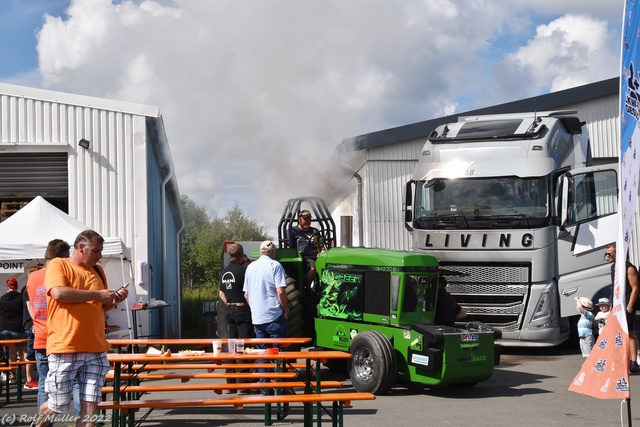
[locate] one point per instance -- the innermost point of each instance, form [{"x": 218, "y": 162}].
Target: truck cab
[{"x": 512, "y": 204}]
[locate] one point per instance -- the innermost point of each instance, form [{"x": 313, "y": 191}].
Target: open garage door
[{"x": 24, "y": 176}]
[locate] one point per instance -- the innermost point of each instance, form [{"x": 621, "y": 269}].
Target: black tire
[
  {"x": 296, "y": 312},
  {"x": 391, "y": 358},
  {"x": 373, "y": 366}
]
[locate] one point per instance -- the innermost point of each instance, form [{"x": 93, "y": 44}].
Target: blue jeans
[
  {"x": 42, "y": 365},
  {"x": 276, "y": 329}
]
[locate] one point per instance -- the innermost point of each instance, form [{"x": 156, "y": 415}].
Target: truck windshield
[{"x": 482, "y": 203}]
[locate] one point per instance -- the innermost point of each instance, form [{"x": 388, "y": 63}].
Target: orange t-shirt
[
  {"x": 38, "y": 299},
  {"x": 74, "y": 327}
]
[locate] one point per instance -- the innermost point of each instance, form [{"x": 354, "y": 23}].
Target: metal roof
[
  {"x": 548, "y": 101},
  {"x": 50, "y": 96}
]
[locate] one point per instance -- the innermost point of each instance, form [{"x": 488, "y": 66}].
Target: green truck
[{"x": 380, "y": 306}]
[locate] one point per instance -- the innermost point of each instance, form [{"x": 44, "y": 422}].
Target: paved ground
[{"x": 528, "y": 389}]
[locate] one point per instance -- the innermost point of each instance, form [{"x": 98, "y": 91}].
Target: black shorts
[{"x": 631, "y": 320}]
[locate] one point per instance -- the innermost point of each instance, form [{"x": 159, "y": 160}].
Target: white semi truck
[{"x": 518, "y": 217}]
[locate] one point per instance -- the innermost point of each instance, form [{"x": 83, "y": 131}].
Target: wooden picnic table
[
  {"x": 7, "y": 368},
  {"x": 124, "y": 361}
]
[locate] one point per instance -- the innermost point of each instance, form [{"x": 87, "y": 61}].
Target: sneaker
[
  {"x": 634, "y": 368},
  {"x": 31, "y": 385}
]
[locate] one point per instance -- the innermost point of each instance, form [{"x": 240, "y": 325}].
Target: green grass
[{"x": 193, "y": 320}]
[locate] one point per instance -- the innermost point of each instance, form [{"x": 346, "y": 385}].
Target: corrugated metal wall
[
  {"x": 100, "y": 178},
  {"x": 387, "y": 171},
  {"x": 602, "y": 117}
]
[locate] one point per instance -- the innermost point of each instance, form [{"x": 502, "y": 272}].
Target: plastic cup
[
  {"x": 217, "y": 347},
  {"x": 240, "y": 346},
  {"x": 231, "y": 345}
]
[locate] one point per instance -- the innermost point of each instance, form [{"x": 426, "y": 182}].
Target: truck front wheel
[{"x": 373, "y": 365}]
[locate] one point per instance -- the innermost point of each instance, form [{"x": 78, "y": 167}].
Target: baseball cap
[
  {"x": 266, "y": 245},
  {"x": 13, "y": 282},
  {"x": 304, "y": 213},
  {"x": 586, "y": 303},
  {"x": 604, "y": 301}
]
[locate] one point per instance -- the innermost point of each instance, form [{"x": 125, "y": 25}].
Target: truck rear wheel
[{"x": 373, "y": 366}]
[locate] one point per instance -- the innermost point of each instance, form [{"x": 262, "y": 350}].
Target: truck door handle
[{"x": 569, "y": 292}]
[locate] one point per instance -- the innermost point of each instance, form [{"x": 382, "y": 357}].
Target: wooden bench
[
  {"x": 338, "y": 400},
  {"x": 209, "y": 375},
  {"x": 209, "y": 366},
  {"x": 15, "y": 368},
  {"x": 5, "y": 386},
  {"x": 219, "y": 387}
]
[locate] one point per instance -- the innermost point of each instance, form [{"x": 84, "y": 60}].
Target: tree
[
  {"x": 196, "y": 220},
  {"x": 203, "y": 239}
]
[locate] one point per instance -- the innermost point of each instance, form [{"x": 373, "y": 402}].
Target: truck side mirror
[{"x": 408, "y": 205}]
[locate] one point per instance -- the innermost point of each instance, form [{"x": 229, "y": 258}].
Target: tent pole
[{"x": 126, "y": 303}]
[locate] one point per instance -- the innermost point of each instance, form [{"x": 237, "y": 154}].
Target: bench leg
[
  {"x": 19, "y": 384},
  {"x": 267, "y": 414}
]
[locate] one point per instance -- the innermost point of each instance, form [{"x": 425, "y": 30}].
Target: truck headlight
[{"x": 545, "y": 305}]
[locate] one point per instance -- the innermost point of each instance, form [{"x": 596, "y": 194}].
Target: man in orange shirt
[{"x": 77, "y": 298}]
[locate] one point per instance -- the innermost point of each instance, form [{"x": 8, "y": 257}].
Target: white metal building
[
  {"x": 107, "y": 164},
  {"x": 382, "y": 162}
]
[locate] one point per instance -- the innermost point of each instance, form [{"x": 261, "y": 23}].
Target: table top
[
  {"x": 175, "y": 357},
  {"x": 204, "y": 341},
  {"x": 149, "y": 307},
  {"x": 4, "y": 343}
]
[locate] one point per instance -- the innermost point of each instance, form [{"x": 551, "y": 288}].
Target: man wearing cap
[
  {"x": 304, "y": 237},
  {"x": 301, "y": 236},
  {"x": 265, "y": 290}
]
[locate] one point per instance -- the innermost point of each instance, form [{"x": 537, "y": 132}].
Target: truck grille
[{"x": 493, "y": 294}]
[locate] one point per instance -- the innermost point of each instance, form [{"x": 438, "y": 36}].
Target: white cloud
[
  {"x": 568, "y": 52},
  {"x": 256, "y": 95}
]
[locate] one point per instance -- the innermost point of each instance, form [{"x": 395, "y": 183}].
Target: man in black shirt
[
  {"x": 305, "y": 239},
  {"x": 237, "y": 309}
]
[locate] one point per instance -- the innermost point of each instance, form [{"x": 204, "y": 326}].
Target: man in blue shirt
[{"x": 265, "y": 290}]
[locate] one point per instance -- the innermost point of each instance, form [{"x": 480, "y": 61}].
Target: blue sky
[
  {"x": 257, "y": 94},
  {"x": 19, "y": 22}
]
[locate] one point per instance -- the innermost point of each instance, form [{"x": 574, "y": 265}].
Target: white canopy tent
[{"x": 24, "y": 238}]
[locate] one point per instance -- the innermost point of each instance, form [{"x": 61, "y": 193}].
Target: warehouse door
[{"x": 24, "y": 176}]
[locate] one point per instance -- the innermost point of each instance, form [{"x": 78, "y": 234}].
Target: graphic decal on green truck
[{"x": 341, "y": 296}]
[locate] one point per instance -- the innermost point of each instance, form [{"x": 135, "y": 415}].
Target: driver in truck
[{"x": 304, "y": 237}]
